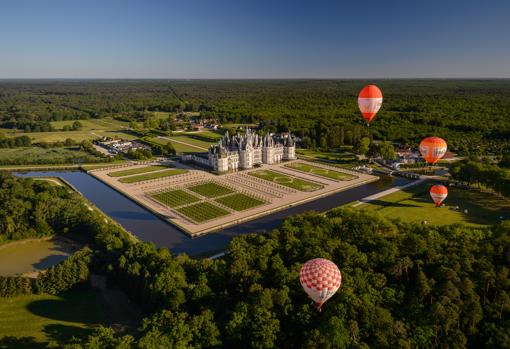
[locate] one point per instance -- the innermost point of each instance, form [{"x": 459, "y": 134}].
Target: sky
[{"x": 209, "y": 39}]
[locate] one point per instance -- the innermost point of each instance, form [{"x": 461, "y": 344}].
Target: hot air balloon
[
  {"x": 320, "y": 279},
  {"x": 438, "y": 193},
  {"x": 432, "y": 149},
  {"x": 369, "y": 101}
]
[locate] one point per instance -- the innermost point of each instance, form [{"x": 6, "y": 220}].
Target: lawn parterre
[
  {"x": 153, "y": 175},
  {"x": 239, "y": 202},
  {"x": 202, "y": 211},
  {"x": 175, "y": 198},
  {"x": 134, "y": 171},
  {"x": 321, "y": 171},
  {"x": 210, "y": 189},
  {"x": 288, "y": 181}
]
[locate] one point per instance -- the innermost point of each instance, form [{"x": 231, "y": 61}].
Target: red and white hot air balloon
[
  {"x": 432, "y": 149},
  {"x": 438, "y": 193},
  {"x": 320, "y": 279},
  {"x": 369, "y": 101}
]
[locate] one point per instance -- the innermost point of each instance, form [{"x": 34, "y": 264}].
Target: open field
[
  {"x": 288, "y": 181},
  {"x": 202, "y": 211},
  {"x": 33, "y": 320},
  {"x": 321, "y": 171},
  {"x": 91, "y": 129},
  {"x": 190, "y": 142},
  {"x": 136, "y": 171},
  {"x": 239, "y": 202},
  {"x": 175, "y": 198},
  {"x": 38, "y": 155},
  {"x": 25, "y": 256},
  {"x": 198, "y": 201},
  {"x": 152, "y": 175},
  {"x": 414, "y": 204},
  {"x": 210, "y": 189}
]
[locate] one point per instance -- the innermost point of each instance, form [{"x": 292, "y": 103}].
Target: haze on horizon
[{"x": 254, "y": 39}]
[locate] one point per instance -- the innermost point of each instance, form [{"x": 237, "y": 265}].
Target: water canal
[{"x": 148, "y": 227}]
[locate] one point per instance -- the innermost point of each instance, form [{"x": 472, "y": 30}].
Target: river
[{"x": 148, "y": 227}]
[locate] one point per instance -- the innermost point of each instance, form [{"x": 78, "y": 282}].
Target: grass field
[
  {"x": 91, "y": 129},
  {"x": 37, "y": 155},
  {"x": 33, "y": 320},
  {"x": 239, "y": 202},
  {"x": 414, "y": 204},
  {"x": 288, "y": 181},
  {"x": 153, "y": 175},
  {"x": 322, "y": 172},
  {"x": 134, "y": 171},
  {"x": 210, "y": 189},
  {"x": 175, "y": 198},
  {"x": 21, "y": 257},
  {"x": 202, "y": 211}
]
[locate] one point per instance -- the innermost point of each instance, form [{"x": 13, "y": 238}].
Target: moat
[{"x": 148, "y": 227}]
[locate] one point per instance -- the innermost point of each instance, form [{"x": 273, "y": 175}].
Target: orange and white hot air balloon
[
  {"x": 432, "y": 149},
  {"x": 438, "y": 193},
  {"x": 369, "y": 101},
  {"x": 320, "y": 279}
]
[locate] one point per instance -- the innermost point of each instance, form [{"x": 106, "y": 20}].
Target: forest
[
  {"x": 403, "y": 285},
  {"x": 470, "y": 114}
]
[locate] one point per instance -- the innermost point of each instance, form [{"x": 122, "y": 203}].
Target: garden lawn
[
  {"x": 138, "y": 170},
  {"x": 288, "y": 181},
  {"x": 202, "y": 211},
  {"x": 175, "y": 198},
  {"x": 33, "y": 320},
  {"x": 239, "y": 202},
  {"x": 320, "y": 171},
  {"x": 210, "y": 189},
  {"x": 415, "y": 205},
  {"x": 153, "y": 175}
]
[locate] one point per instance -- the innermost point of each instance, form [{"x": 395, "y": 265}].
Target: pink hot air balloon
[{"x": 320, "y": 279}]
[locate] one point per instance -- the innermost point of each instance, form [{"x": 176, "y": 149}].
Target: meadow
[
  {"x": 25, "y": 256},
  {"x": 285, "y": 180},
  {"x": 415, "y": 205},
  {"x": 38, "y": 155},
  {"x": 32, "y": 321}
]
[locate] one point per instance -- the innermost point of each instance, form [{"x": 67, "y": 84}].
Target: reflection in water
[{"x": 148, "y": 227}]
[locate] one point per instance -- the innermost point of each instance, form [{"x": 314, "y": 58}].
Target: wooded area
[{"x": 404, "y": 285}]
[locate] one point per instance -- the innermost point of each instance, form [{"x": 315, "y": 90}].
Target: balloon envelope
[
  {"x": 432, "y": 149},
  {"x": 369, "y": 101},
  {"x": 438, "y": 193},
  {"x": 320, "y": 279}
]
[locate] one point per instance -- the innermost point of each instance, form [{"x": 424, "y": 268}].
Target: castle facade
[{"x": 244, "y": 151}]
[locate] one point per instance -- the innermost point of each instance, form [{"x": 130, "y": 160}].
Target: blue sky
[{"x": 254, "y": 39}]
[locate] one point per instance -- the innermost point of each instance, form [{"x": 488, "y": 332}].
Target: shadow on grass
[
  {"x": 383, "y": 203},
  {"x": 64, "y": 333},
  {"x": 20, "y": 343},
  {"x": 80, "y": 307}
]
